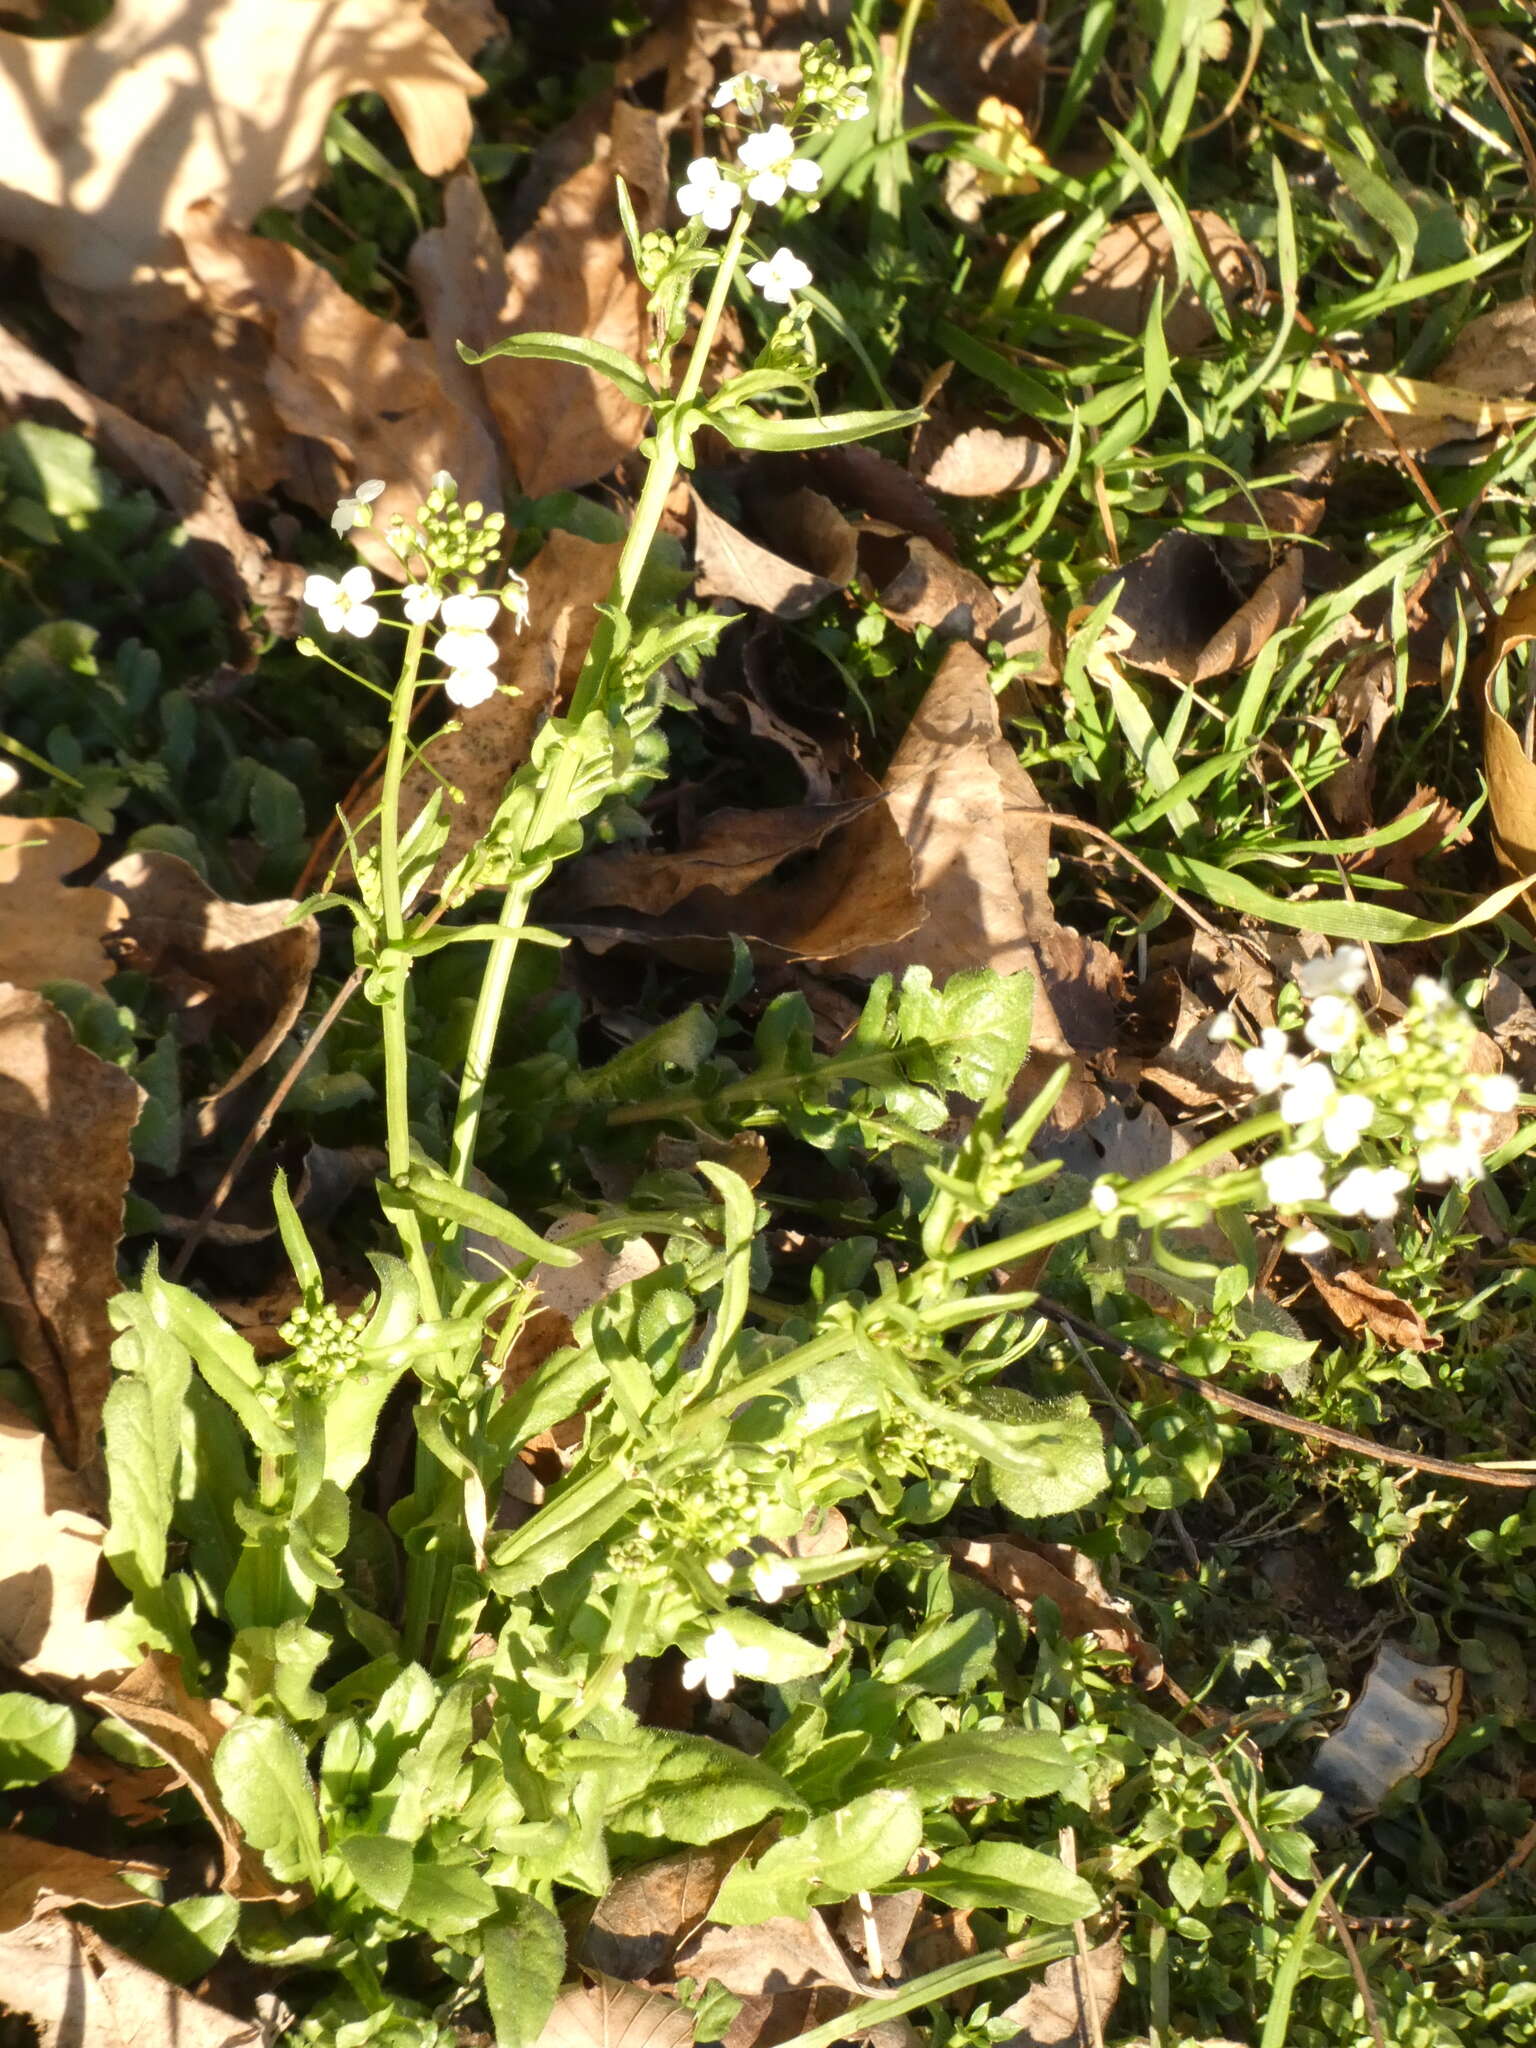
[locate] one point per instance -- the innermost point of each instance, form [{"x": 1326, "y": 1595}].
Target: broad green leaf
[
  {"x": 433, "y": 1195},
  {"x": 866, "y": 1843},
  {"x": 524, "y": 1948},
  {"x": 685, "y": 1788},
  {"x": 1043, "y": 1457},
  {"x": 581, "y": 354},
  {"x": 187, "y": 1937},
  {"x": 945, "y": 1657},
  {"x": 1007, "y": 1877},
  {"x": 974, "y": 1763},
  {"x": 832, "y": 430},
  {"x": 141, "y": 1421},
  {"x": 768, "y": 1652},
  {"x": 37, "y": 1739},
  {"x": 447, "y": 1899},
  {"x": 223, "y": 1357},
  {"x": 263, "y": 1779},
  {"x": 382, "y": 1867}
]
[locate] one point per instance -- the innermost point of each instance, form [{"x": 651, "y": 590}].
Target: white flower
[
  {"x": 1434, "y": 1119},
  {"x": 1223, "y": 1028},
  {"x": 715, "y": 1669},
  {"x": 1332, "y": 1024},
  {"x": 1270, "y": 1063},
  {"x": 1370, "y": 1191},
  {"x": 1430, "y": 994},
  {"x": 1498, "y": 1092},
  {"x": 708, "y": 194},
  {"x": 466, "y": 650},
  {"x": 1306, "y": 1243},
  {"x": 744, "y": 89},
  {"x": 473, "y": 609},
  {"x": 771, "y": 157},
  {"x": 468, "y": 687},
  {"x": 1340, "y": 973},
  {"x": 354, "y": 511},
  {"x": 1104, "y": 1198},
  {"x": 420, "y": 603},
  {"x": 1347, "y": 1122},
  {"x": 721, "y": 1570},
  {"x": 782, "y": 274},
  {"x": 772, "y": 1578},
  {"x": 467, "y": 644},
  {"x": 1293, "y": 1177},
  {"x": 1308, "y": 1094},
  {"x": 1456, "y": 1158},
  {"x": 344, "y": 606}
]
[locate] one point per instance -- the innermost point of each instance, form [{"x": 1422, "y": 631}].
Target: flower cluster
[
  {"x": 325, "y": 1346},
  {"x": 716, "y": 1514},
  {"x": 1404, "y": 1098},
  {"x": 444, "y": 553},
  {"x": 918, "y": 1446}
]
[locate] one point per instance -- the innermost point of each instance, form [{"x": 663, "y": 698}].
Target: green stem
[{"x": 589, "y": 688}]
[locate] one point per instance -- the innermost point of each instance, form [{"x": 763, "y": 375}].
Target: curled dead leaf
[
  {"x": 1179, "y": 613},
  {"x": 80, "y": 1992},
  {"x": 225, "y": 104},
  {"x": 733, "y": 566},
  {"x": 734, "y": 850},
  {"x": 1404, "y": 1716},
  {"x": 241, "y": 969},
  {"x": 1026, "y": 1572},
  {"x": 1510, "y": 771},
  {"x": 65, "y": 1120},
  {"x": 1356, "y": 1302},
  {"x": 1132, "y": 256},
  {"x": 1068, "y": 2004},
  {"x": 44, "y": 1877},
  {"x": 50, "y": 1548},
  {"x": 969, "y": 50},
  {"x": 49, "y": 932}
]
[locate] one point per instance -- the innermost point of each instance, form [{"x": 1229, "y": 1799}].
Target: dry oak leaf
[
  {"x": 242, "y": 969},
  {"x": 1130, "y": 258},
  {"x": 50, "y": 1548},
  {"x": 637, "y": 1926},
  {"x": 1026, "y": 1572},
  {"x": 341, "y": 376},
  {"x": 108, "y": 138},
  {"x": 154, "y": 1702},
  {"x": 1356, "y": 1302},
  {"x": 733, "y": 851},
  {"x": 966, "y": 457},
  {"x": 238, "y": 567},
  {"x": 1067, "y": 2006},
  {"x": 569, "y": 274},
  {"x": 605, "y": 2015},
  {"x": 772, "y": 1957},
  {"x": 49, "y": 932},
  {"x": 80, "y": 1992},
  {"x": 39, "y": 1877},
  {"x": 65, "y": 1120}
]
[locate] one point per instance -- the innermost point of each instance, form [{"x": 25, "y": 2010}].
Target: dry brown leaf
[
  {"x": 969, "y": 50},
  {"x": 38, "y": 1877},
  {"x": 154, "y": 1702},
  {"x": 1358, "y": 1303},
  {"x": 967, "y": 458},
  {"x": 239, "y": 568},
  {"x": 616, "y": 2016},
  {"x": 1511, "y": 773},
  {"x": 569, "y": 274},
  {"x": 1026, "y": 1572},
  {"x": 1131, "y": 256},
  {"x": 892, "y": 1913},
  {"x": 637, "y": 1927},
  {"x": 733, "y": 851},
  {"x": 241, "y": 969},
  {"x": 80, "y": 1992},
  {"x": 1493, "y": 357},
  {"x": 49, "y": 932},
  {"x": 227, "y": 104},
  {"x": 732, "y": 566},
  {"x": 50, "y": 1547},
  {"x": 340, "y": 376},
  {"x": 771, "y": 1957},
  {"x": 1069, "y": 2003},
  {"x": 1441, "y": 827},
  {"x": 928, "y": 589},
  {"x": 1026, "y": 632},
  {"x": 1180, "y": 614},
  {"x": 873, "y": 484},
  {"x": 65, "y": 1119}
]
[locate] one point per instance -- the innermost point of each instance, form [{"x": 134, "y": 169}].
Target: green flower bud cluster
[
  {"x": 826, "y": 81},
  {"x": 918, "y": 1446},
  {"x": 452, "y": 539},
  {"x": 699, "y": 1514},
  {"x": 654, "y": 257},
  {"x": 326, "y": 1345}
]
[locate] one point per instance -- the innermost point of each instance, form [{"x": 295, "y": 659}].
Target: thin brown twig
[
  {"x": 1520, "y": 1853},
  {"x": 1239, "y": 91},
  {"x": 1497, "y": 87},
  {"x": 1276, "y": 1418}
]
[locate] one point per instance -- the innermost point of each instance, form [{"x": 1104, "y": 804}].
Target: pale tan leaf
[
  {"x": 1130, "y": 258},
  {"x": 1069, "y": 2003},
  {"x": 731, "y": 565},
  {"x": 608, "y": 2015},
  {"x": 1356, "y": 1302},
  {"x": 50, "y": 1547},
  {"x": 49, "y": 932},
  {"x": 242, "y": 969},
  {"x": 154, "y": 1702},
  {"x": 65, "y": 1120},
  {"x": 42, "y": 1877},
  {"x": 341, "y": 376},
  {"x": 970, "y": 459},
  {"x": 1511, "y": 773},
  {"x": 80, "y": 1992},
  {"x": 227, "y": 104},
  {"x": 1024, "y": 1572},
  {"x": 929, "y": 589},
  {"x": 773, "y": 1956}
]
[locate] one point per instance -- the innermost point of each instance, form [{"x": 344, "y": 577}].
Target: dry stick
[
  {"x": 1512, "y": 1862},
  {"x": 1276, "y": 1418},
  {"x": 262, "y": 1125},
  {"x": 1497, "y": 87},
  {"x": 1240, "y": 90}
]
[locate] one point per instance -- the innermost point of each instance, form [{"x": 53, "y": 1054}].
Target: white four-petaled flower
[
  {"x": 770, "y": 156},
  {"x": 354, "y": 511},
  {"x": 715, "y": 1667},
  {"x": 419, "y": 603},
  {"x": 773, "y": 1577},
  {"x": 1370, "y": 1191},
  {"x": 1292, "y": 1177},
  {"x": 1332, "y": 1024},
  {"x": 744, "y": 89},
  {"x": 1339, "y": 973},
  {"x": 1270, "y": 1064},
  {"x": 708, "y": 193},
  {"x": 779, "y": 276},
  {"x": 343, "y": 606}
]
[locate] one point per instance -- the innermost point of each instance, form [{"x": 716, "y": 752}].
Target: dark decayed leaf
[
  {"x": 734, "y": 850},
  {"x": 1184, "y": 617},
  {"x": 1024, "y": 1572},
  {"x": 637, "y": 1928},
  {"x": 731, "y": 565},
  {"x": 1356, "y": 1302}
]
